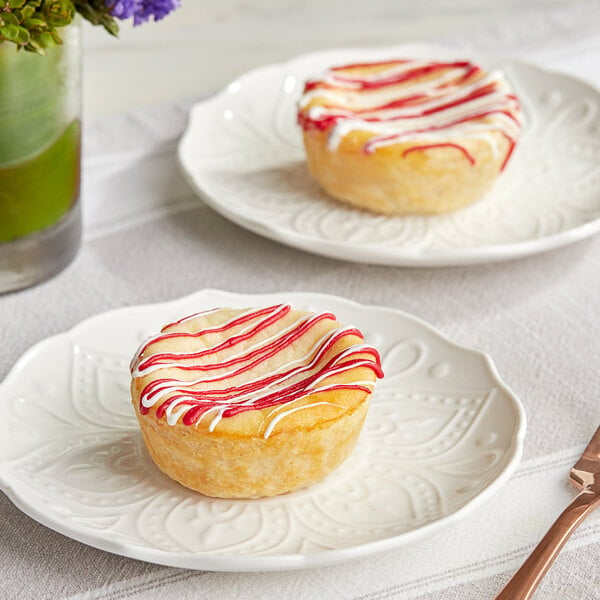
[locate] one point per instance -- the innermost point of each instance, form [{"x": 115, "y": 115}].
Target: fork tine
[{"x": 587, "y": 467}]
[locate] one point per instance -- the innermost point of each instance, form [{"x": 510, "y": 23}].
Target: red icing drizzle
[
  {"x": 165, "y": 358},
  {"x": 361, "y": 83},
  {"x": 509, "y": 153},
  {"x": 227, "y": 399},
  {"x": 239, "y": 321},
  {"x": 336, "y": 80}
]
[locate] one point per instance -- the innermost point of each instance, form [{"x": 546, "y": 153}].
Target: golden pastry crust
[
  {"x": 261, "y": 451},
  {"x": 427, "y": 144},
  {"x": 228, "y": 466},
  {"x": 431, "y": 181}
]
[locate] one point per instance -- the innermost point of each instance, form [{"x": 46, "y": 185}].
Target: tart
[
  {"x": 409, "y": 136},
  {"x": 246, "y": 403}
]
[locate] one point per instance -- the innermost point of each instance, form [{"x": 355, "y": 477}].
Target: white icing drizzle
[
  {"x": 287, "y": 383},
  {"x": 445, "y": 108},
  {"x": 286, "y": 413},
  {"x": 143, "y": 368}
]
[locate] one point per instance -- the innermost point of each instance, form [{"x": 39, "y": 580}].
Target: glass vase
[{"x": 40, "y": 157}]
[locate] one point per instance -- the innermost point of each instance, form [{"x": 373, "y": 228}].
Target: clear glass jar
[{"x": 40, "y": 161}]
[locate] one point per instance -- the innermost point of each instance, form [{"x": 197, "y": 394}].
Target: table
[{"x": 149, "y": 239}]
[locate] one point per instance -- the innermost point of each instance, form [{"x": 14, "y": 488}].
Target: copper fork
[{"x": 586, "y": 477}]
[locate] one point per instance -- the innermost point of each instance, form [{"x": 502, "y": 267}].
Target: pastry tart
[
  {"x": 409, "y": 136},
  {"x": 245, "y": 403}
]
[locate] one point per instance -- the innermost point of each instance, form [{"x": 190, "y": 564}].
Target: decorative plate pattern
[
  {"x": 243, "y": 154},
  {"x": 443, "y": 432}
]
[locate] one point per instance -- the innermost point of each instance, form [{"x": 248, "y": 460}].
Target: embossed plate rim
[
  {"x": 372, "y": 253},
  {"x": 16, "y": 490}
]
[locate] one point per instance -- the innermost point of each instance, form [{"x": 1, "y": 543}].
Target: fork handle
[{"x": 527, "y": 578}]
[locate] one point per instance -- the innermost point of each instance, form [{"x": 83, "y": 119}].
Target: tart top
[
  {"x": 428, "y": 103},
  {"x": 265, "y": 366}
]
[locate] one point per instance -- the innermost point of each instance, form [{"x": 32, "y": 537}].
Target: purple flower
[{"x": 142, "y": 10}]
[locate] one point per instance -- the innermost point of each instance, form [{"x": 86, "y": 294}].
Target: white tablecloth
[{"x": 149, "y": 239}]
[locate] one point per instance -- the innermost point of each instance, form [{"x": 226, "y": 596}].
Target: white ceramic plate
[
  {"x": 442, "y": 434},
  {"x": 242, "y": 152}
]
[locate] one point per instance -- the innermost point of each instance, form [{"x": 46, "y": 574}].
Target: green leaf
[
  {"x": 98, "y": 13},
  {"x": 9, "y": 18},
  {"x": 56, "y": 39},
  {"x": 33, "y": 23},
  {"x": 48, "y": 40},
  {"x": 10, "y": 32},
  {"x": 27, "y": 11},
  {"x": 35, "y": 46},
  {"x": 58, "y": 13},
  {"x": 23, "y": 36},
  {"x": 15, "y": 3},
  {"x": 88, "y": 13},
  {"x": 111, "y": 26}
]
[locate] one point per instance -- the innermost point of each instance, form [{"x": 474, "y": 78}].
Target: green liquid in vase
[
  {"x": 36, "y": 193},
  {"x": 39, "y": 142}
]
